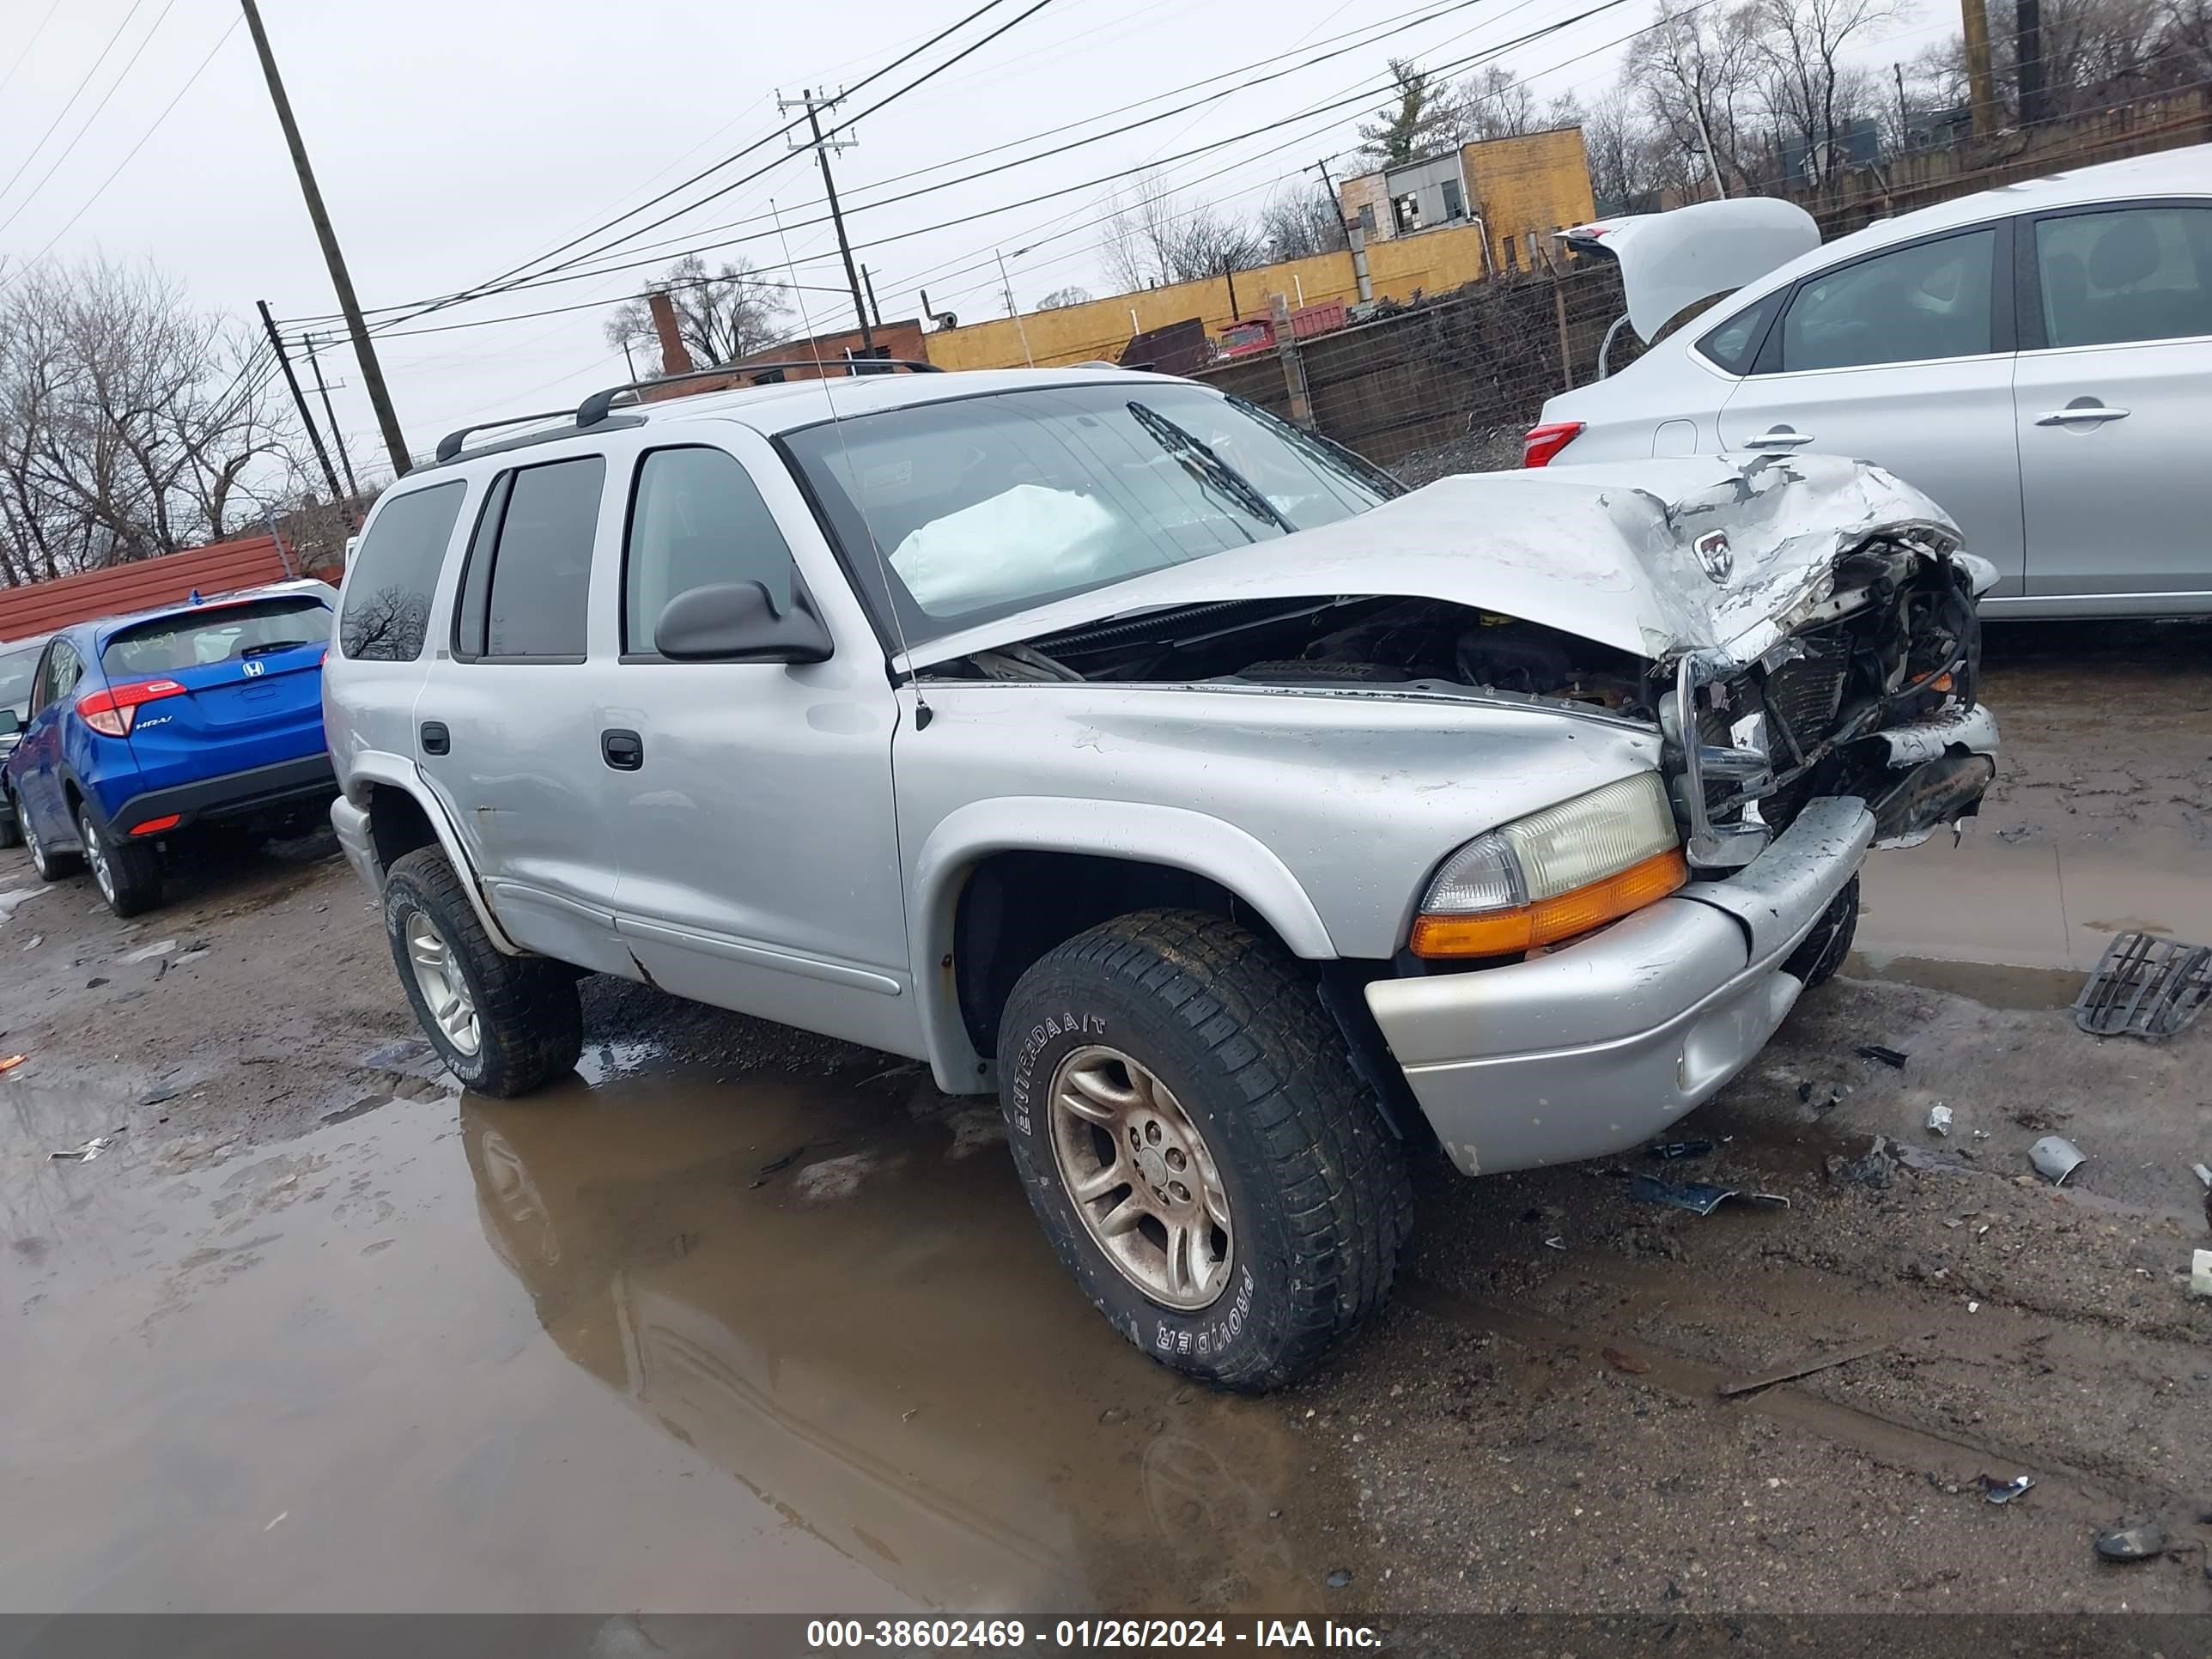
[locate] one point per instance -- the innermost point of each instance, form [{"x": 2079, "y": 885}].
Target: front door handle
[
  {"x": 1780, "y": 437},
  {"x": 436, "y": 740},
  {"x": 2081, "y": 414},
  {"x": 623, "y": 750}
]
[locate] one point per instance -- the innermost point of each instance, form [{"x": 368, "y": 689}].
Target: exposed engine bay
[{"x": 1871, "y": 694}]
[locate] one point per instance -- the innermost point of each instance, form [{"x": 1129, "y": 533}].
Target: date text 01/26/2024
[{"x": 952, "y": 1635}]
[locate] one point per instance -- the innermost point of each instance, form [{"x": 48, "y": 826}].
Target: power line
[
  {"x": 23, "y": 56},
  {"x": 70, "y": 148},
  {"x": 31, "y": 153},
  {"x": 132, "y": 154}
]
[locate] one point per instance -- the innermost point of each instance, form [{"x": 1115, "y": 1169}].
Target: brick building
[
  {"x": 902, "y": 339},
  {"x": 1516, "y": 188}
]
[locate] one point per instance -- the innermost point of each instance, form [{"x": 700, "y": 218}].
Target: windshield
[
  {"x": 984, "y": 506},
  {"x": 15, "y": 671},
  {"x": 230, "y": 633}
]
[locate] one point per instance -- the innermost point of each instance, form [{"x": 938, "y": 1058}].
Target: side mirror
[
  {"x": 736, "y": 622},
  {"x": 10, "y": 724}
]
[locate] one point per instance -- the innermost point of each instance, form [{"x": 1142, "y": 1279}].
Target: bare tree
[
  {"x": 1301, "y": 222},
  {"x": 129, "y": 423},
  {"x": 1418, "y": 119},
  {"x": 1807, "y": 90},
  {"x": 720, "y": 315},
  {"x": 1150, "y": 237},
  {"x": 1070, "y": 296},
  {"x": 1695, "y": 72},
  {"x": 1619, "y": 145}
]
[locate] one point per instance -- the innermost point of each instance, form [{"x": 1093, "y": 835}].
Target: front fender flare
[
  {"x": 1170, "y": 835},
  {"x": 395, "y": 772}
]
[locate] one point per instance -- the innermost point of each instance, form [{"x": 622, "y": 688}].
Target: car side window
[
  {"x": 1929, "y": 300},
  {"x": 1736, "y": 342},
  {"x": 2143, "y": 273},
  {"x": 42, "y": 682},
  {"x": 387, "y": 602},
  {"x": 525, "y": 590},
  {"x": 63, "y": 670},
  {"x": 697, "y": 520}
]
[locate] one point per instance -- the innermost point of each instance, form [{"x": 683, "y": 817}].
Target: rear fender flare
[
  {"x": 394, "y": 772},
  {"x": 1170, "y": 836}
]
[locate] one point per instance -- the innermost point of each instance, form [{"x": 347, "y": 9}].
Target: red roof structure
[{"x": 42, "y": 607}]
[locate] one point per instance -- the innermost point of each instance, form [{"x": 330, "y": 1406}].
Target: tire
[
  {"x": 1825, "y": 949},
  {"x": 527, "y": 1029},
  {"x": 51, "y": 866},
  {"x": 128, "y": 874},
  {"x": 1239, "y": 1053},
  {"x": 11, "y": 820}
]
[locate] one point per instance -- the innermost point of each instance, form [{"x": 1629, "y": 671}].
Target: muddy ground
[{"x": 743, "y": 1320}]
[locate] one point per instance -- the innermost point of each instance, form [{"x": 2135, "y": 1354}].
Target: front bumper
[
  {"x": 351, "y": 824},
  {"x": 1597, "y": 1046}
]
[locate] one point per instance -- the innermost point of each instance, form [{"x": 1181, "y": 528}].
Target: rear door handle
[
  {"x": 2081, "y": 414},
  {"x": 436, "y": 740},
  {"x": 1780, "y": 437},
  {"x": 623, "y": 750}
]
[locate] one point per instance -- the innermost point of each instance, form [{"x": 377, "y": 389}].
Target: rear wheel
[
  {"x": 128, "y": 874},
  {"x": 503, "y": 1025},
  {"x": 1196, "y": 1145}
]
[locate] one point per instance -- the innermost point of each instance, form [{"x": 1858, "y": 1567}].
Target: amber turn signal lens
[{"x": 1509, "y": 932}]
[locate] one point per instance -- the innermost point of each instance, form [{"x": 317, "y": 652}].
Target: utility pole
[
  {"x": 1904, "y": 113},
  {"x": 2028, "y": 53},
  {"x": 1981, "y": 79},
  {"x": 372, "y": 372},
  {"x": 1014, "y": 311},
  {"x": 869, "y": 283},
  {"x": 822, "y": 147},
  {"x": 299, "y": 401},
  {"x": 337, "y": 436},
  {"x": 1697, "y": 104}
]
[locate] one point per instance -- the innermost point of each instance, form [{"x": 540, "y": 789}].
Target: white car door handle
[
  {"x": 1780, "y": 438},
  {"x": 2086, "y": 415}
]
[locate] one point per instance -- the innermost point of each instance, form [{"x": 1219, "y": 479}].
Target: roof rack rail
[
  {"x": 450, "y": 444},
  {"x": 596, "y": 408}
]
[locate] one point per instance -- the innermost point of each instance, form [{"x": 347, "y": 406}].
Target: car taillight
[
  {"x": 112, "y": 712},
  {"x": 1543, "y": 442}
]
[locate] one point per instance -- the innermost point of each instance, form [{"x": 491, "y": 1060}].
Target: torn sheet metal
[
  {"x": 1610, "y": 553},
  {"x": 2146, "y": 987},
  {"x": 1972, "y": 729}
]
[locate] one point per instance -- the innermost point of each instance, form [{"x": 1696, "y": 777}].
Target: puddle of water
[
  {"x": 299, "y": 1379},
  {"x": 2017, "y": 925}
]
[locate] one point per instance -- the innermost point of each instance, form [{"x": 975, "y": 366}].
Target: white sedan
[{"x": 2038, "y": 358}]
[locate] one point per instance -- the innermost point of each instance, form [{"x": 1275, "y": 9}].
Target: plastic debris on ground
[
  {"x": 2055, "y": 1158},
  {"x": 2145, "y": 986},
  {"x": 2203, "y": 1173},
  {"x": 1939, "y": 1119},
  {"x": 1668, "y": 1151},
  {"x": 147, "y": 952},
  {"x": 2140, "y": 1543},
  {"x": 1698, "y": 1198},
  {"x": 1886, "y": 1055},
  {"x": 10, "y": 1062},
  {"x": 84, "y": 1154},
  {"x": 1995, "y": 1491},
  {"x": 1872, "y": 1170},
  {"x": 2200, "y": 1274}
]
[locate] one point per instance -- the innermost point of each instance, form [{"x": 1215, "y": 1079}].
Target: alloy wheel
[
  {"x": 95, "y": 854},
  {"x": 1142, "y": 1178},
  {"x": 445, "y": 989}
]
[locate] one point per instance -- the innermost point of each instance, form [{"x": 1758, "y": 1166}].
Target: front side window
[
  {"x": 2134, "y": 274},
  {"x": 977, "y": 507},
  {"x": 229, "y": 633},
  {"x": 1930, "y": 300},
  {"x": 697, "y": 521},
  {"x": 17, "y": 672},
  {"x": 387, "y": 614},
  {"x": 526, "y": 591}
]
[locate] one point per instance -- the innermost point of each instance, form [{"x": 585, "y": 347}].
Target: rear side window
[
  {"x": 1930, "y": 300},
  {"x": 526, "y": 591},
  {"x": 697, "y": 521},
  {"x": 230, "y": 633},
  {"x": 1734, "y": 344},
  {"x": 2137, "y": 274},
  {"x": 387, "y": 602}
]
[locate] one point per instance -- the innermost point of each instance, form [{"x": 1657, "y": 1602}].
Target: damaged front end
[{"x": 1872, "y": 695}]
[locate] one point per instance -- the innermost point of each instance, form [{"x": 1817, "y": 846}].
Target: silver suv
[{"x": 1244, "y": 822}]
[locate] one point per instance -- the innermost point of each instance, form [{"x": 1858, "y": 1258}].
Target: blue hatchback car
[{"x": 143, "y": 726}]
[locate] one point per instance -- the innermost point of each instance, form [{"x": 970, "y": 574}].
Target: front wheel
[
  {"x": 503, "y": 1025},
  {"x": 51, "y": 866},
  {"x": 1190, "y": 1131}
]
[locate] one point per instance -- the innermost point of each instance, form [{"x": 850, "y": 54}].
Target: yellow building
[
  {"x": 1098, "y": 329},
  {"x": 1514, "y": 188}
]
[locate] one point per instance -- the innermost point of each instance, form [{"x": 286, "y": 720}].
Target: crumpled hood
[{"x": 1608, "y": 552}]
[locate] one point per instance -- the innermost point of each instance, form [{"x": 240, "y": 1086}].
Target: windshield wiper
[{"x": 1210, "y": 466}]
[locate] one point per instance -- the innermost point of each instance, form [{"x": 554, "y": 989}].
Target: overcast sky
[{"x": 455, "y": 139}]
